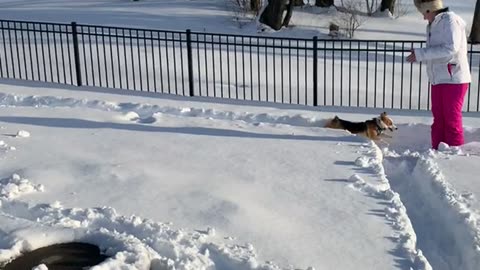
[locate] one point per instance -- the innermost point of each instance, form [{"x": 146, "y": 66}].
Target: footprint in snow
[{"x": 147, "y": 120}]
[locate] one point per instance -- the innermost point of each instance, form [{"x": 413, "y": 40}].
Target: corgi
[{"x": 371, "y": 129}]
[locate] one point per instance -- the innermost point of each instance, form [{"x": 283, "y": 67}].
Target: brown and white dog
[{"x": 371, "y": 129}]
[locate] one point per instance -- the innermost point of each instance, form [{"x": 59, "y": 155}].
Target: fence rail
[{"x": 314, "y": 72}]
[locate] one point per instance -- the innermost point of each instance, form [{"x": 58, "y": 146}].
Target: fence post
[
  {"x": 76, "y": 54},
  {"x": 190, "y": 62},
  {"x": 315, "y": 71}
]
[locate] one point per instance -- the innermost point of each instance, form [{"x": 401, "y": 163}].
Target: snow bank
[
  {"x": 395, "y": 211},
  {"x": 145, "y": 112},
  {"x": 132, "y": 242}
]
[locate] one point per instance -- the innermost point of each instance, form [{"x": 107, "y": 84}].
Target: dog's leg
[{"x": 371, "y": 134}]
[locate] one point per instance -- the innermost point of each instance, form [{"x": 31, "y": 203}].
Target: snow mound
[
  {"x": 40, "y": 267},
  {"x": 23, "y": 134},
  {"x": 130, "y": 116},
  {"x": 147, "y": 113},
  {"x": 131, "y": 242},
  {"x": 16, "y": 186},
  {"x": 4, "y": 147}
]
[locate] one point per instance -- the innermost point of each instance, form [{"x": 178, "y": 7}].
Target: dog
[{"x": 372, "y": 129}]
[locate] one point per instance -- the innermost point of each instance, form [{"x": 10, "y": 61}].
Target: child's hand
[{"x": 412, "y": 58}]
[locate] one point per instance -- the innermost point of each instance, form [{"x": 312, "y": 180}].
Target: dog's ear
[
  {"x": 336, "y": 117},
  {"x": 383, "y": 114}
]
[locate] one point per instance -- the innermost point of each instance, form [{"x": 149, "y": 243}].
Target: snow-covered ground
[
  {"x": 166, "y": 182},
  {"x": 159, "y": 178},
  {"x": 217, "y": 16}
]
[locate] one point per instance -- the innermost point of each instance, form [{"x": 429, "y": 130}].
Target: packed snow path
[{"x": 447, "y": 228}]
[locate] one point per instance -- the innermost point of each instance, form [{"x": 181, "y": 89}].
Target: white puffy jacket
[{"x": 446, "y": 50}]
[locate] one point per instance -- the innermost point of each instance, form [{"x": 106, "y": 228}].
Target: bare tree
[
  {"x": 475, "y": 32},
  {"x": 277, "y": 13},
  {"x": 400, "y": 8},
  {"x": 324, "y": 3},
  {"x": 371, "y": 6},
  {"x": 388, "y": 4},
  {"x": 242, "y": 10},
  {"x": 349, "y": 18}
]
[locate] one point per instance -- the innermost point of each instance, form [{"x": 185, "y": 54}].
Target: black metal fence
[{"x": 356, "y": 73}]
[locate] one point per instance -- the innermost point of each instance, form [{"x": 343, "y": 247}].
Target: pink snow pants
[{"x": 447, "y": 103}]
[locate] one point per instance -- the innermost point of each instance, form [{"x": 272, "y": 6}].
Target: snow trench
[{"x": 447, "y": 231}]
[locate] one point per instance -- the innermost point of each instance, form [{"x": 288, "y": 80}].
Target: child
[{"x": 446, "y": 58}]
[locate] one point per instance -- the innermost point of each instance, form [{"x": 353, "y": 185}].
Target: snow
[
  {"x": 23, "y": 134},
  {"x": 41, "y": 267},
  {"x": 167, "y": 182}
]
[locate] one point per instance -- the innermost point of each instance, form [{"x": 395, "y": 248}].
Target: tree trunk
[
  {"x": 298, "y": 3},
  {"x": 475, "y": 32},
  {"x": 324, "y": 3},
  {"x": 388, "y": 4},
  {"x": 287, "y": 18},
  {"x": 273, "y": 13},
  {"x": 255, "y": 5}
]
